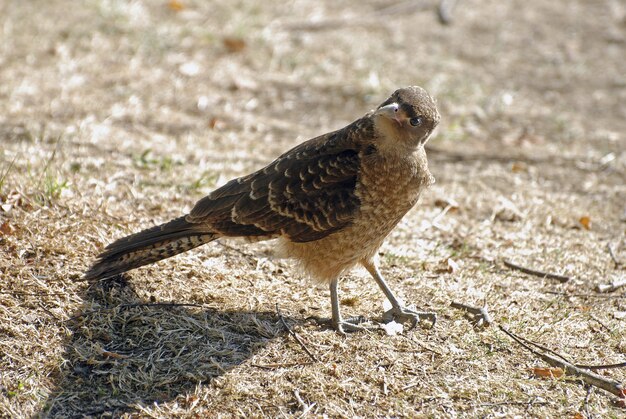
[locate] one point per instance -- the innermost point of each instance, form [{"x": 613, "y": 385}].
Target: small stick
[
  {"x": 586, "y": 403},
  {"x": 613, "y": 286},
  {"x": 544, "y": 348},
  {"x": 589, "y": 367},
  {"x": 423, "y": 345},
  {"x": 408, "y": 386},
  {"x": 530, "y": 402},
  {"x": 565, "y": 294},
  {"x": 305, "y": 408},
  {"x": 285, "y": 365},
  {"x": 403, "y": 8},
  {"x": 591, "y": 378},
  {"x": 601, "y": 323},
  {"x": 444, "y": 11},
  {"x": 133, "y": 305},
  {"x": 602, "y": 367},
  {"x": 612, "y": 254},
  {"x": 480, "y": 314},
  {"x": 541, "y": 274},
  {"x": 33, "y": 294},
  {"x": 50, "y": 313},
  {"x": 295, "y": 336}
]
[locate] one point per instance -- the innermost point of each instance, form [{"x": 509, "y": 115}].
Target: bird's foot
[
  {"x": 345, "y": 326},
  {"x": 402, "y": 314},
  {"x": 352, "y": 324}
]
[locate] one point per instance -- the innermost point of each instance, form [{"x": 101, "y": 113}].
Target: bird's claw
[
  {"x": 347, "y": 325},
  {"x": 402, "y": 315},
  {"x": 343, "y": 326}
]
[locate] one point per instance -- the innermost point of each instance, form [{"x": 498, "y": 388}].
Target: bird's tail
[{"x": 148, "y": 246}]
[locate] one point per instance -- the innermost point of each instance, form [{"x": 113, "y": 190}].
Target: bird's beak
[{"x": 390, "y": 111}]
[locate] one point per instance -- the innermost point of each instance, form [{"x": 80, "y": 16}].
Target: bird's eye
[{"x": 416, "y": 121}]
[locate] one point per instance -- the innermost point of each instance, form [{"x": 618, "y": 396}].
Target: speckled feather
[{"x": 304, "y": 195}]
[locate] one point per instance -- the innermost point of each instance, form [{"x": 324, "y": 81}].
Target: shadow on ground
[{"x": 125, "y": 353}]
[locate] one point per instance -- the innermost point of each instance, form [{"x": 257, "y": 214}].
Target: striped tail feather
[{"x": 149, "y": 246}]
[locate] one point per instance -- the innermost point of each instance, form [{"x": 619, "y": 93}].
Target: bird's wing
[{"x": 305, "y": 194}]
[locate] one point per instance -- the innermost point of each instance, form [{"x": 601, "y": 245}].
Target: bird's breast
[
  {"x": 390, "y": 186},
  {"x": 387, "y": 189}
]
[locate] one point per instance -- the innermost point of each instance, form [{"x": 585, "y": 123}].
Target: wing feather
[{"x": 305, "y": 194}]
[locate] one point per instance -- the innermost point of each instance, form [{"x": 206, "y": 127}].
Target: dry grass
[{"x": 115, "y": 115}]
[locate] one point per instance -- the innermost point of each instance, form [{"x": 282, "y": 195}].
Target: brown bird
[{"x": 330, "y": 202}]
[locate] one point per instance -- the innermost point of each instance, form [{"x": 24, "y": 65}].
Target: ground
[{"x": 116, "y": 115}]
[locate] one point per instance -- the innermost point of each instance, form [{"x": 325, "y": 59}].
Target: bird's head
[{"x": 407, "y": 118}]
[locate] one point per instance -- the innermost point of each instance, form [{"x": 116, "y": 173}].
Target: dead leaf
[
  {"x": 447, "y": 266},
  {"x": 585, "y": 221},
  {"x": 452, "y": 265},
  {"x": 448, "y": 203},
  {"x": 547, "y": 372},
  {"x": 175, "y": 5},
  {"x": 234, "y": 44},
  {"x": 578, "y": 415},
  {"x": 518, "y": 167},
  {"x": 620, "y": 403},
  {"x": 350, "y": 301},
  {"x": 217, "y": 124},
  {"x": 334, "y": 371},
  {"x": 6, "y": 229}
]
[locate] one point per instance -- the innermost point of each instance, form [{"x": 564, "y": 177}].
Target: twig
[
  {"x": 601, "y": 323},
  {"x": 530, "y": 402},
  {"x": 50, "y": 313},
  {"x": 284, "y": 365},
  {"x": 586, "y": 402},
  {"x": 602, "y": 367},
  {"x": 544, "y": 348},
  {"x": 589, "y": 367},
  {"x": 305, "y": 407},
  {"x": 422, "y": 345},
  {"x": 133, "y": 305},
  {"x": 33, "y": 294},
  {"x": 403, "y": 7},
  {"x": 295, "y": 336},
  {"x": 374, "y": 18},
  {"x": 411, "y": 385},
  {"x": 613, "y": 286},
  {"x": 480, "y": 315},
  {"x": 612, "y": 254},
  {"x": 565, "y": 294},
  {"x": 591, "y": 378},
  {"x": 444, "y": 11},
  {"x": 541, "y": 274}
]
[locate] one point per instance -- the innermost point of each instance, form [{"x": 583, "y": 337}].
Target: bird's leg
[
  {"x": 342, "y": 326},
  {"x": 397, "y": 311}
]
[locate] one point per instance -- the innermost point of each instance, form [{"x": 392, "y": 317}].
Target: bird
[{"x": 330, "y": 202}]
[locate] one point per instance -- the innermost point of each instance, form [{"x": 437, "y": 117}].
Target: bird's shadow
[{"x": 124, "y": 353}]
